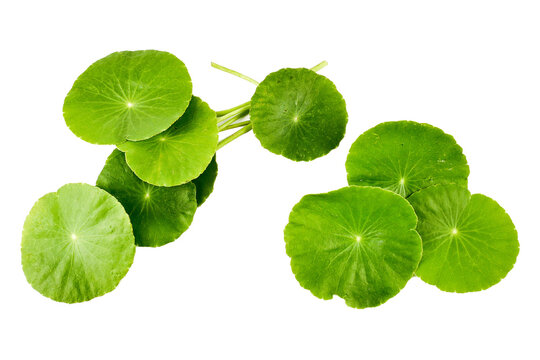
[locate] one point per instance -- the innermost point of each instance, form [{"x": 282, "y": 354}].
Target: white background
[{"x": 225, "y": 290}]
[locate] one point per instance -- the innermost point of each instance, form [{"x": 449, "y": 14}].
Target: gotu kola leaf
[
  {"x": 404, "y": 157},
  {"x": 298, "y": 113},
  {"x": 128, "y": 95},
  {"x": 358, "y": 243},
  {"x": 179, "y": 154},
  {"x": 159, "y": 214},
  {"x": 470, "y": 242},
  {"x": 77, "y": 244}
]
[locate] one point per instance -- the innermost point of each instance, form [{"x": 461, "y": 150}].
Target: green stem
[
  {"x": 225, "y": 112},
  {"x": 233, "y": 113},
  {"x": 319, "y": 66},
  {"x": 237, "y": 125},
  {"x": 237, "y": 134},
  {"x": 235, "y": 73},
  {"x": 233, "y": 118}
]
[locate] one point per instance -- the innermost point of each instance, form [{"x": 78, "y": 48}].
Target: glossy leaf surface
[
  {"x": 404, "y": 157},
  {"x": 159, "y": 214},
  {"x": 299, "y": 114},
  {"x": 180, "y": 153},
  {"x": 470, "y": 242},
  {"x": 358, "y": 243},
  {"x": 128, "y": 95}
]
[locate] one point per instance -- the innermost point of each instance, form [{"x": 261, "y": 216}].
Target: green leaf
[
  {"x": 299, "y": 114},
  {"x": 358, "y": 243},
  {"x": 404, "y": 157},
  {"x": 128, "y": 95},
  {"x": 180, "y": 153},
  {"x": 470, "y": 242},
  {"x": 77, "y": 244},
  {"x": 159, "y": 214},
  {"x": 205, "y": 182}
]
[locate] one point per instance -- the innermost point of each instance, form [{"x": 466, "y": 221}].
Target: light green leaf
[
  {"x": 299, "y": 114},
  {"x": 470, "y": 242},
  {"x": 128, "y": 95},
  {"x": 358, "y": 243},
  {"x": 180, "y": 153},
  {"x": 159, "y": 214},
  {"x": 205, "y": 182},
  {"x": 77, "y": 244},
  {"x": 404, "y": 157}
]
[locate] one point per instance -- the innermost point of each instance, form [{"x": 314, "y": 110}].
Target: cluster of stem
[{"x": 228, "y": 119}]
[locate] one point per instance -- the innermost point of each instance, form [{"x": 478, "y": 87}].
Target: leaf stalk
[
  {"x": 235, "y": 73},
  {"x": 247, "y": 128}
]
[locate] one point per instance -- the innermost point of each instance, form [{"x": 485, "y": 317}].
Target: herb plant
[
  {"x": 469, "y": 242},
  {"x": 406, "y": 210},
  {"x": 79, "y": 242}
]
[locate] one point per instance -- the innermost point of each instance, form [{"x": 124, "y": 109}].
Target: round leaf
[
  {"x": 358, "y": 243},
  {"x": 205, "y": 182},
  {"x": 128, "y": 95},
  {"x": 159, "y": 214},
  {"x": 77, "y": 244},
  {"x": 299, "y": 114},
  {"x": 180, "y": 153},
  {"x": 404, "y": 157},
  {"x": 470, "y": 242}
]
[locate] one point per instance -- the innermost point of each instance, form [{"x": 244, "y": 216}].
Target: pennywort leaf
[
  {"x": 179, "y": 154},
  {"x": 404, "y": 157},
  {"x": 298, "y": 113},
  {"x": 77, "y": 244},
  {"x": 159, "y": 214},
  {"x": 128, "y": 95},
  {"x": 470, "y": 242},
  {"x": 358, "y": 243}
]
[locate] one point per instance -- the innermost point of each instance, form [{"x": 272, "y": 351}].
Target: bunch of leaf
[
  {"x": 406, "y": 212},
  {"x": 79, "y": 242}
]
